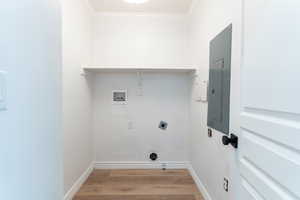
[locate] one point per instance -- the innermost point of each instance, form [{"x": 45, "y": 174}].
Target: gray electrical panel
[{"x": 219, "y": 81}]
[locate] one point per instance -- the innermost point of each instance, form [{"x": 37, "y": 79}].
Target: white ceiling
[{"x": 152, "y": 6}]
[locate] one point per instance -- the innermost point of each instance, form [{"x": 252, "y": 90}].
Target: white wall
[
  {"x": 30, "y": 128},
  {"x": 76, "y": 92},
  {"x": 211, "y": 160},
  {"x": 147, "y": 40},
  {"x": 165, "y": 97},
  {"x": 142, "y": 40}
]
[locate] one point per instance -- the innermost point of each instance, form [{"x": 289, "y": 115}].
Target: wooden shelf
[{"x": 102, "y": 69}]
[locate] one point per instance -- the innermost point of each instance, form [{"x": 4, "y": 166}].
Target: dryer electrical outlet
[{"x": 3, "y": 90}]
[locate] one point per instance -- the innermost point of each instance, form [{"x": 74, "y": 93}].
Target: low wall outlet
[{"x": 3, "y": 98}]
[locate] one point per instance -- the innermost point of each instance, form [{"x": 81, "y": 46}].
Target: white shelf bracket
[{"x": 82, "y": 72}]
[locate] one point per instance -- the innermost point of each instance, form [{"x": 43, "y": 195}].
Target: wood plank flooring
[{"x": 139, "y": 185}]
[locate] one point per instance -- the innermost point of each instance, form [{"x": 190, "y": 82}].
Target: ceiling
[{"x": 152, "y": 6}]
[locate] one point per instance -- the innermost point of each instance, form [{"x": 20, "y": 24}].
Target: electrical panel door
[{"x": 219, "y": 81}]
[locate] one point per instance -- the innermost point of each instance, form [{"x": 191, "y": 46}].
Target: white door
[{"x": 269, "y": 150}]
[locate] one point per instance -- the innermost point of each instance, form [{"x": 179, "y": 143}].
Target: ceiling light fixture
[{"x": 136, "y": 1}]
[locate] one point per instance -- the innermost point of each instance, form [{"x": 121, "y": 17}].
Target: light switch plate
[
  {"x": 203, "y": 88},
  {"x": 2, "y": 90}
]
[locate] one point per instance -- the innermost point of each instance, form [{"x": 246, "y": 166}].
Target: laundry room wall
[
  {"x": 30, "y": 100},
  {"x": 140, "y": 40},
  {"x": 77, "y": 115},
  {"x": 128, "y": 133},
  {"x": 210, "y": 159}
]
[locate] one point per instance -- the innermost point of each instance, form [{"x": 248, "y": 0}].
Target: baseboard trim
[
  {"x": 199, "y": 183},
  {"x": 141, "y": 165},
  {"x": 77, "y": 185}
]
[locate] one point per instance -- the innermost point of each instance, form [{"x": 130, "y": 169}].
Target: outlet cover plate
[
  {"x": 226, "y": 184},
  {"x": 2, "y": 90}
]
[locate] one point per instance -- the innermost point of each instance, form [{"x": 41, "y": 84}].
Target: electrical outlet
[
  {"x": 130, "y": 125},
  {"x": 209, "y": 133},
  {"x": 3, "y": 90},
  {"x": 226, "y": 184},
  {"x": 140, "y": 91}
]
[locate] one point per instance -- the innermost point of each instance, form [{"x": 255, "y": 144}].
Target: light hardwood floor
[{"x": 139, "y": 185}]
